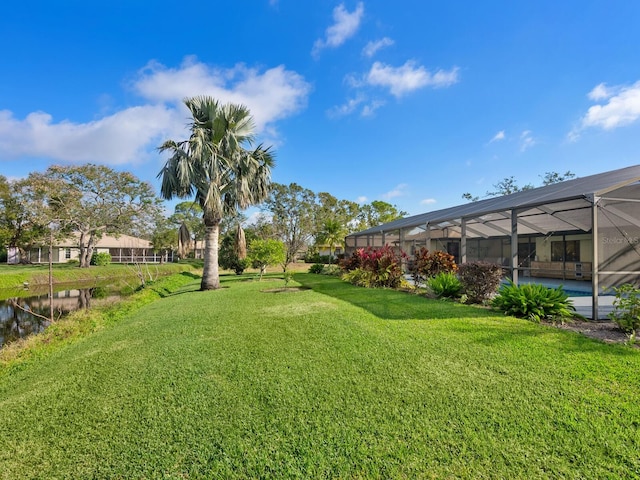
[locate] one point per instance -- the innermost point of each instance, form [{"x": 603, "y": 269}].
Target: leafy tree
[
  {"x": 229, "y": 257},
  {"x": 469, "y": 197},
  {"x": 214, "y": 165},
  {"x": 292, "y": 210},
  {"x": 24, "y": 222},
  {"x": 555, "y": 177},
  {"x": 93, "y": 200},
  {"x": 164, "y": 237},
  {"x": 508, "y": 185},
  {"x": 263, "y": 253},
  {"x": 263, "y": 227},
  {"x": 190, "y": 215},
  {"x": 344, "y": 212},
  {"x": 377, "y": 213}
]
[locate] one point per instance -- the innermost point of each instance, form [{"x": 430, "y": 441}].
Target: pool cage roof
[
  {"x": 605, "y": 207},
  {"x": 560, "y": 207}
]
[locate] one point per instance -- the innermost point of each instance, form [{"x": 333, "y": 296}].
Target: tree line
[
  {"x": 217, "y": 168},
  {"x": 218, "y": 172}
]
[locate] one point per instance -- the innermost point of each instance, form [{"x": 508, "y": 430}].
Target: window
[
  {"x": 67, "y": 253},
  {"x": 565, "y": 251}
]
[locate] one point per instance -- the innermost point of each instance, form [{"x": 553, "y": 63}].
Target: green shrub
[
  {"x": 427, "y": 265},
  {"x": 382, "y": 265},
  {"x": 317, "y": 258},
  {"x": 100, "y": 259},
  {"x": 360, "y": 277},
  {"x": 316, "y": 268},
  {"x": 333, "y": 270},
  {"x": 533, "y": 301},
  {"x": 626, "y": 309},
  {"x": 480, "y": 280},
  {"x": 445, "y": 285}
]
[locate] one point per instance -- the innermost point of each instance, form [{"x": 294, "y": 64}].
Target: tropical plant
[
  {"x": 332, "y": 270},
  {"x": 427, "y": 265},
  {"x": 480, "y": 280},
  {"x": 445, "y": 284},
  {"x": 332, "y": 235},
  {"x": 214, "y": 165},
  {"x": 533, "y": 301},
  {"x": 626, "y": 309},
  {"x": 381, "y": 267}
]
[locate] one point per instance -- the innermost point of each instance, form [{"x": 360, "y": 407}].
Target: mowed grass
[{"x": 331, "y": 382}]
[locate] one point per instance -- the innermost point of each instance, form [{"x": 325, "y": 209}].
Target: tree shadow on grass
[
  {"x": 388, "y": 304},
  {"x": 164, "y": 291}
]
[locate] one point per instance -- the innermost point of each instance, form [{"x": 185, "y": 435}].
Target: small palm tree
[
  {"x": 214, "y": 165},
  {"x": 332, "y": 234}
]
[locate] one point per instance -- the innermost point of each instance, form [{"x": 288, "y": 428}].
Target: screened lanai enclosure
[{"x": 581, "y": 230}]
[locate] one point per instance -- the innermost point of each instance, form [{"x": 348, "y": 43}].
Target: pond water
[{"x": 18, "y": 321}]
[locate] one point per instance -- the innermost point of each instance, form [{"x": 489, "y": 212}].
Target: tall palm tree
[{"x": 214, "y": 165}]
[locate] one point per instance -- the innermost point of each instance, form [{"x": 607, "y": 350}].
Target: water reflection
[{"x": 16, "y": 314}]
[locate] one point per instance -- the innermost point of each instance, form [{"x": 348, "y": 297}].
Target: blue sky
[{"x": 411, "y": 102}]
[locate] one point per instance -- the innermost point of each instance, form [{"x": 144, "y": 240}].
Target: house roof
[
  {"x": 108, "y": 241},
  {"x": 542, "y": 210}
]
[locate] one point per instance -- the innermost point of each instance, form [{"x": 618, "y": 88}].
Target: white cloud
[
  {"x": 270, "y": 95},
  {"x": 526, "y": 140},
  {"x": 369, "y": 110},
  {"x": 351, "y": 105},
  {"x": 132, "y": 134},
  {"x": 346, "y": 108},
  {"x": 409, "y": 77},
  {"x": 345, "y": 25},
  {"x": 428, "y": 201},
  {"x": 361, "y": 199},
  {"x": 599, "y": 92},
  {"x": 116, "y": 139},
  {"x": 397, "y": 191},
  {"x": 372, "y": 47},
  {"x": 621, "y": 106},
  {"x": 498, "y": 136}
]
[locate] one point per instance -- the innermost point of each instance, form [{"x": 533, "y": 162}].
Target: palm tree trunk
[{"x": 210, "y": 273}]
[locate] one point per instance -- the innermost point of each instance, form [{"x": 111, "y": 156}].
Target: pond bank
[
  {"x": 84, "y": 322},
  {"x": 14, "y": 278}
]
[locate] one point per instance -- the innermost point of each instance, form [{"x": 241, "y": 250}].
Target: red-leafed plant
[
  {"x": 429, "y": 264},
  {"x": 369, "y": 267}
]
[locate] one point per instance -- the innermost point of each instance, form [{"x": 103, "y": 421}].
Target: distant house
[{"x": 123, "y": 249}]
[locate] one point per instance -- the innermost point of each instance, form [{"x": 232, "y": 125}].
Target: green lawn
[{"x": 331, "y": 382}]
